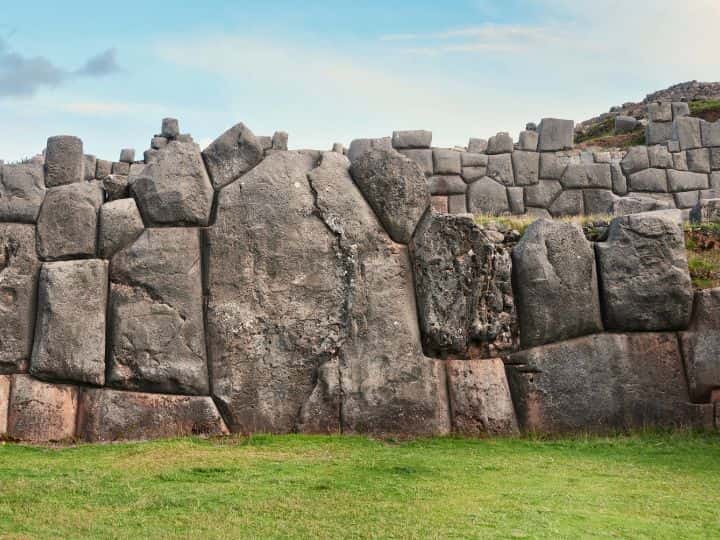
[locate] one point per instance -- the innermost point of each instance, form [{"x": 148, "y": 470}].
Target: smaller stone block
[
  {"x": 158, "y": 143},
  {"x": 528, "y": 141},
  {"x": 486, "y": 196},
  {"x": 552, "y": 166},
  {"x": 103, "y": 168},
  {"x": 710, "y": 132},
  {"x": 120, "y": 225},
  {"x": 598, "y": 201},
  {"x": 116, "y": 186},
  {"x": 625, "y": 124},
  {"x": 680, "y": 109},
  {"x": 637, "y": 159},
  {"x": 424, "y": 158},
  {"x": 687, "y": 181},
  {"x": 715, "y": 159},
  {"x": 542, "y": 194},
  {"x": 687, "y": 199},
  {"x": 280, "y": 141},
  {"x": 526, "y": 166},
  {"x": 568, "y": 203},
  {"x": 477, "y": 146},
  {"x": 660, "y": 158},
  {"x": 89, "y": 167},
  {"x": 698, "y": 160},
  {"x": 686, "y": 130},
  {"x": 501, "y": 143},
  {"x": 457, "y": 204},
  {"x": 446, "y": 161},
  {"x": 469, "y": 159},
  {"x": 127, "y": 155},
  {"x": 439, "y": 204},
  {"x": 64, "y": 161},
  {"x": 516, "y": 198},
  {"x": 41, "y": 412},
  {"x": 619, "y": 182},
  {"x": 470, "y": 174},
  {"x": 120, "y": 167},
  {"x": 412, "y": 139},
  {"x": 658, "y": 132},
  {"x": 652, "y": 180},
  {"x": 500, "y": 169},
  {"x": 555, "y": 134},
  {"x": 446, "y": 185},
  {"x": 660, "y": 112},
  {"x": 170, "y": 128}
]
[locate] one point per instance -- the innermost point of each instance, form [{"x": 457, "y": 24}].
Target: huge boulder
[
  {"x": 555, "y": 284},
  {"x": 396, "y": 189},
  {"x": 486, "y": 196},
  {"x": 40, "y": 412},
  {"x": 701, "y": 344},
  {"x": 232, "y": 154},
  {"x": 453, "y": 264},
  {"x": 22, "y": 190},
  {"x": 18, "y": 284},
  {"x": 70, "y": 334},
  {"x": 67, "y": 224},
  {"x": 109, "y": 415},
  {"x": 311, "y": 313},
  {"x": 644, "y": 274},
  {"x": 157, "y": 339},
  {"x": 480, "y": 398},
  {"x": 602, "y": 383},
  {"x": 174, "y": 189}
]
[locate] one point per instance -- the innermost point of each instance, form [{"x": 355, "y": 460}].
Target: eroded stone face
[
  {"x": 70, "y": 334},
  {"x": 109, "y": 415},
  {"x": 22, "y": 191},
  {"x": 19, "y": 269},
  {"x": 232, "y": 154},
  {"x": 156, "y": 314},
  {"x": 40, "y": 412}
]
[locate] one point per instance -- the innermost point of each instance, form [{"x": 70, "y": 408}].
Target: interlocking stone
[
  {"x": 501, "y": 143},
  {"x": 596, "y": 175},
  {"x": 552, "y": 166},
  {"x": 660, "y": 112},
  {"x": 446, "y": 185},
  {"x": 157, "y": 338},
  {"x": 516, "y": 198},
  {"x": 446, "y": 161},
  {"x": 710, "y": 132},
  {"x": 477, "y": 146},
  {"x": 598, "y": 201},
  {"x": 568, "y": 203},
  {"x": 686, "y": 131},
  {"x": 555, "y": 284},
  {"x": 127, "y": 155},
  {"x": 636, "y": 160},
  {"x": 175, "y": 189},
  {"x": 89, "y": 167},
  {"x": 619, "y": 182},
  {"x": 22, "y": 191},
  {"x": 644, "y": 275},
  {"x": 109, "y": 415},
  {"x": 658, "y": 132},
  {"x": 653, "y": 180},
  {"x": 67, "y": 223},
  {"x": 457, "y": 204},
  {"x": 528, "y": 141},
  {"x": 660, "y": 158},
  {"x": 687, "y": 181},
  {"x": 701, "y": 344},
  {"x": 412, "y": 139},
  {"x": 120, "y": 225},
  {"x": 396, "y": 189},
  {"x": 40, "y": 412},
  {"x": 543, "y": 193},
  {"x": 500, "y": 169},
  {"x": 486, "y": 196},
  {"x": 480, "y": 398},
  {"x": 526, "y": 166},
  {"x": 555, "y": 134},
  {"x": 170, "y": 128},
  {"x": 70, "y": 334},
  {"x": 232, "y": 154},
  {"x": 424, "y": 158},
  {"x": 469, "y": 159},
  {"x": 64, "y": 161},
  {"x": 359, "y": 146},
  {"x": 698, "y": 160}
]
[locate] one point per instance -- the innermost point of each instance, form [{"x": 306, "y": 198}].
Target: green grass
[
  {"x": 520, "y": 223},
  {"x": 645, "y": 486},
  {"x": 704, "y": 106}
]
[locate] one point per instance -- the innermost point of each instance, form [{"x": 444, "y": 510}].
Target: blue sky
[{"x": 329, "y": 71}]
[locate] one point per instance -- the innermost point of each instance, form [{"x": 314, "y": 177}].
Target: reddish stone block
[
  {"x": 4, "y": 401},
  {"x": 40, "y": 412}
]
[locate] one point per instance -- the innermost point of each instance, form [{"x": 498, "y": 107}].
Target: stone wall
[{"x": 246, "y": 288}]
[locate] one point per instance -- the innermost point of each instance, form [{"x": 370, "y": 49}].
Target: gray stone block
[
  {"x": 679, "y": 109},
  {"x": 121, "y": 168},
  {"x": 543, "y": 193},
  {"x": 596, "y": 175},
  {"x": 486, "y": 196},
  {"x": 500, "y": 168},
  {"x": 653, "y": 180},
  {"x": 619, "y": 182},
  {"x": 710, "y": 133},
  {"x": 157, "y": 143},
  {"x": 446, "y": 161},
  {"x": 127, "y": 155},
  {"x": 687, "y": 199},
  {"x": 120, "y": 225},
  {"x": 116, "y": 186},
  {"x": 67, "y": 223},
  {"x": 424, "y": 158},
  {"x": 528, "y": 141},
  {"x": 644, "y": 275},
  {"x": 660, "y": 112},
  {"x": 70, "y": 334},
  {"x": 552, "y": 166},
  {"x": 103, "y": 168},
  {"x": 598, "y": 201},
  {"x": 715, "y": 159},
  {"x": 707, "y": 210},
  {"x": 470, "y": 174},
  {"x": 446, "y": 185},
  {"x": 170, "y": 128},
  {"x": 526, "y": 166},
  {"x": 660, "y": 158},
  {"x": 469, "y": 159},
  {"x": 687, "y": 181},
  {"x": 22, "y": 191},
  {"x": 477, "y": 146},
  {"x": 64, "y": 161},
  {"x": 658, "y": 132},
  {"x": 439, "y": 204},
  {"x": 625, "y": 124},
  {"x": 555, "y": 134},
  {"x": 698, "y": 160},
  {"x": 568, "y": 203},
  {"x": 636, "y": 160},
  {"x": 516, "y": 198},
  {"x": 412, "y": 139},
  {"x": 457, "y": 204},
  {"x": 501, "y": 143},
  {"x": 700, "y": 345},
  {"x": 686, "y": 131},
  {"x": 233, "y": 154},
  {"x": 556, "y": 290},
  {"x": 280, "y": 141},
  {"x": 636, "y": 203},
  {"x": 680, "y": 162},
  {"x": 89, "y": 167},
  {"x": 359, "y": 146}
]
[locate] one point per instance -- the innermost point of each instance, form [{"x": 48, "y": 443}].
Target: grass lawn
[{"x": 648, "y": 486}]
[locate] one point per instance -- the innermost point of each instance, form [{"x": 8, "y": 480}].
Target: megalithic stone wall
[{"x": 247, "y": 288}]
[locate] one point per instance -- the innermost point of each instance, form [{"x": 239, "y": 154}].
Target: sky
[{"x": 330, "y": 71}]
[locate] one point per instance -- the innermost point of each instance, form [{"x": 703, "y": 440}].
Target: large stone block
[
  {"x": 625, "y": 124},
  {"x": 660, "y": 158},
  {"x": 500, "y": 169},
  {"x": 480, "y": 398},
  {"x": 40, "y": 412},
  {"x": 329, "y": 341},
  {"x": 396, "y": 189},
  {"x": 70, "y": 334},
  {"x": 174, "y": 189},
  {"x": 516, "y": 198},
  {"x": 660, "y": 112},
  {"x": 232, "y": 154},
  {"x": 652, "y": 180},
  {"x": 471, "y": 174},
  {"x": 120, "y": 225},
  {"x": 64, "y": 161},
  {"x": 446, "y": 161},
  {"x": 67, "y": 224},
  {"x": 637, "y": 159},
  {"x": 587, "y": 175},
  {"x": 598, "y": 201},
  {"x": 686, "y": 131},
  {"x": 412, "y": 139},
  {"x": 424, "y": 158},
  {"x": 600, "y": 384},
  {"x": 157, "y": 339},
  {"x": 89, "y": 167},
  {"x": 526, "y": 166},
  {"x": 555, "y": 284},
  {"x": 446, "y": 185},
  {"x": 22, "y": 191},
  {"x": 555, "y": 135},
  {"x": 636, "y": 204},
  {"x": 109, "y": 415},
  {"x": 18, "y": 285},
  {"x": 644, "y": 275},
  {"x": 568, "y": 203},
  {"x": 528, "y": 141},
  {"x": 542, "y": 194},
  {"x": 687, "y": 181},
  {"x": 486, "y": 196},
  {"x": 710, "y": 132},
  {"x": 701, "y": 344},
  {"x": 359, "y": 146},
  {"x": 698, "y": 160},
  {"x": 501, "y": 143},
  {"x": 658, "y": 132},
  {"x": 552, "y": 166},
  {"x": 470, "y": 159},
  {"x": 477, "y": 146}
]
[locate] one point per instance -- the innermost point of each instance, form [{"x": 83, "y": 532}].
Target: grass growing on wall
[
  {"x": 706, "y": 109},
  {"x": 703, "y": 253},
  {"x": 645, "y": 486}
]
